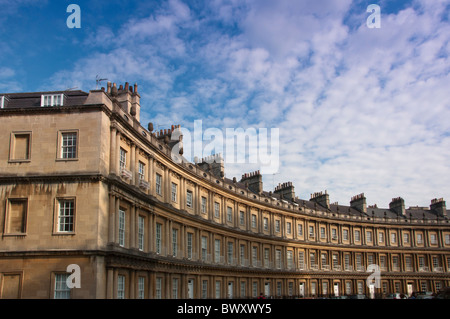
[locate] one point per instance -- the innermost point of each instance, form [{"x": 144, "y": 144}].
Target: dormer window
[
  {"x": 52, "y": 99},
  {"x": 3, "y": 101}
]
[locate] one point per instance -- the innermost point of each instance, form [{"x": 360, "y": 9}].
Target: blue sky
[{"x": 358, "y": 109}]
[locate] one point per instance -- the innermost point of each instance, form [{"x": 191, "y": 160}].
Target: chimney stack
[
  {"x": 323, "y": 199},
  {"x": 285, "y": 190},
  {"x": 254, "y": 181},
  {"x": 398, "y": 206},
  {"x": 358, "y": 202},
  {"x": 438, "y": 207},
  {"x": 213, "y": 164},
  {"x": 128, "y": 100}
]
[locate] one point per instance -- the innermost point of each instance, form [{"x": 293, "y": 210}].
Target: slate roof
[{"x": 33, "y": 99}]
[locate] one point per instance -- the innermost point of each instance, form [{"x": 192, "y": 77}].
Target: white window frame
[
  {"x": 393, "y": 238},
  {"x": 369, "y": 236},
  {"x": 189, "y": 198},
  {"x": 357, "y": 235},
  {"x": 141, "y": 171},
  {"x": 122, "y": 217},
  {"x": 52, "y": 99},
  {"x": 322, "y": 232},
  {"x": 204, "y": 248},
  {"x": 158, "y": 181},
  {"x": 301, "y": 260},
  {"x": 120, "y": 287},
  {"x": 230, "y": 248},
  {"x": 174, "y": 192},
  {"x": 122, "y": 159},
  {"x": 300, "y": 229},
  {"x": 175, "y": 288},
  {"x": 174, "y": 242},
  {"x": 311, "y": 231},
  {"x": 158, "y": 236},
  {"x": 266, "y": 257},
  {"x": 217, "y": 250},
  {"x": 290, "y": 259},
  {"x": 158, "y": 288},
  {"x": 69, "y": 145},
  {"x": 203, "y": 206},
  {"x": 254, "y": 255},
  {"x": 141, "y": 287},
  {"x": 216, "y": 209},
  {"x": 204, "y": 289},
  {"x": 406, "y": 238},
  {"x": 278, "y": 260},
  {"x": 2, "y": 101},
  {"x": 66, "y": 215},
  {"x": 217, "y": 289},
  {"x": 190, "y": 237},
  {"x": 61, "y": 291},
  {"x": 433, "y": 239},
  {"x": 345, "y": 234},
  {"x": 141, "y": 230},
  {"x": 229, "y": 214}
]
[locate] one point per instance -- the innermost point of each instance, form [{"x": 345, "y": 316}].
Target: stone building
[{"x": 83, "y": 183}]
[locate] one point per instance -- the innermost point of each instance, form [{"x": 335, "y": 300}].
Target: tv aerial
[{"x": 98, "y": 81}]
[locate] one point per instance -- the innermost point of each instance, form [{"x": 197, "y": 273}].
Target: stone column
[
  {"x": 110, "y": 283},
  {"x": 133, "y": 164},
  {"x": 117, "y": 155},
  {"x": 112, "y": 213},
  {"x": 113, "y": 151}
]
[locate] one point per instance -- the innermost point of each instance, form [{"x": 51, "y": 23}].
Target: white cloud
[{"x": 359, "y": 109}]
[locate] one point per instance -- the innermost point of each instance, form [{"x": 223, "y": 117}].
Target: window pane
[
  {"x": 66, "y": 215},
  {"x": 69, "y": 145},
  {"x": 61, "y": 289}
]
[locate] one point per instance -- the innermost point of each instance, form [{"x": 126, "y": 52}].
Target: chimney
[
  {"x": 254, "y": 181},
  {"x": 358, "y": 202},
  {"x": 323, "y": 199},
  {"x": 285, "y": 190},
  {"x": 438, "y": 207},
  {"x": 213, "y": 164},
  {"x": 128, "y": 99},
  {"x": 398, "y": 206}
]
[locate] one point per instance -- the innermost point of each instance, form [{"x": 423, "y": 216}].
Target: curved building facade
[{"x": 84, "y": 186}]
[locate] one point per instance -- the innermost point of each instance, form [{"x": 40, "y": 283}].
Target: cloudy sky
[{"x": 359, "y": 109}]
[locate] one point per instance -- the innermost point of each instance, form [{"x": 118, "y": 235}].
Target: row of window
[
  {"x": 332, "y": 234},
  {"x": 20, "y": 145},
  {"x": 211, "y": 250},
  {"x": 314, "y": 287},
  {"x": 247, "y": 287},
  {"x": 16, "y": 216},
  {"x": 346, "y": 233}
]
